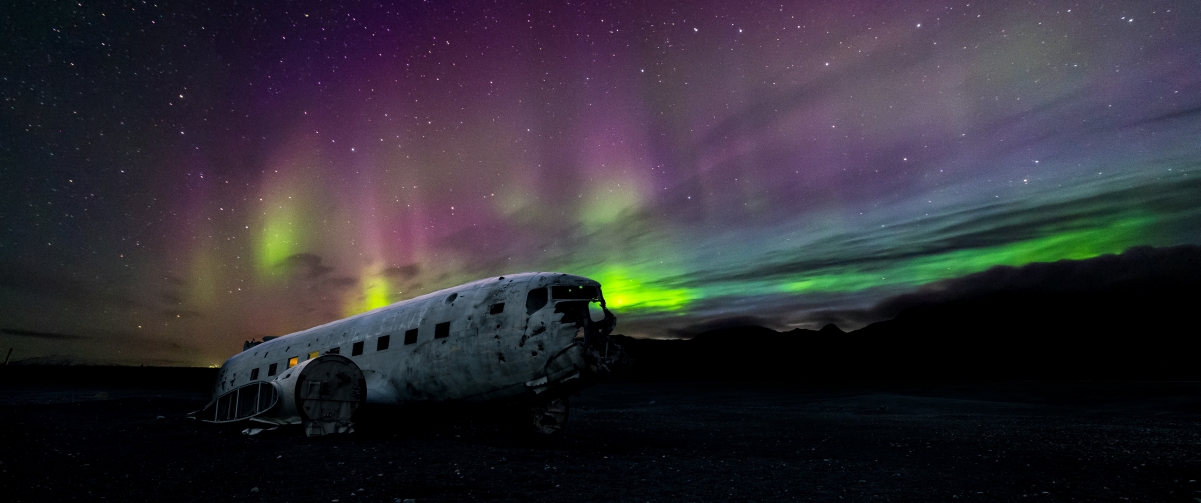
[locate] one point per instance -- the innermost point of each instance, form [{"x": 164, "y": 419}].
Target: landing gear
[{"x": 549, "y": 416}]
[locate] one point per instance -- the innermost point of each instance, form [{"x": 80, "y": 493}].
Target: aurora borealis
[{"x": 181, "y": 177}]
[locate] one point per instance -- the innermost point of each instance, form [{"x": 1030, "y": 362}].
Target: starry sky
[{"x": 181, "y": 176}]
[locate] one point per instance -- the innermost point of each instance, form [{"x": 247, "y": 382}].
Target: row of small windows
[
  {"x": 356, "y": 349},
  {"x": 441, "y": 331},
  {"x": 535, "y": 299}
]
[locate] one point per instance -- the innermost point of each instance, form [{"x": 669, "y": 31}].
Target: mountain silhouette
[{"x": 1127, "y": 316}]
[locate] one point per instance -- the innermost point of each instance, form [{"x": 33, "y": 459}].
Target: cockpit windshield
[
  {"x": 567, "y": 298},
  {"x": 580, "y": 292},
  {"x": 596, "y": 311}
]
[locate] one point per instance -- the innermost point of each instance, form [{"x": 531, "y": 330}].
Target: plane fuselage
[{"x": 494, "y": 339}]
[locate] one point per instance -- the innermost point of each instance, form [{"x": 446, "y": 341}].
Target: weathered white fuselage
[{"x": 494, "y": 339}]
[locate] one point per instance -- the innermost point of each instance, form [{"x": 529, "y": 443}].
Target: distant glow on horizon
[
  {"x": 1068, "y": 245},
  {"x": 628, "y": 291}
]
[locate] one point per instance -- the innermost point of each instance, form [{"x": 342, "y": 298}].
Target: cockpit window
[
  {"x": 573, "y": 311},
  {"x": 583, "y": 292},
  {"x": 596, "y": 312},
  {"x": 535, "y": 300}
]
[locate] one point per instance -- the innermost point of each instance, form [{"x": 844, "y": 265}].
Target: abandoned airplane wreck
[{"x": 529, "y": 338}]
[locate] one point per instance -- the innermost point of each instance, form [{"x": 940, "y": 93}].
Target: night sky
[{"x": 179, "y": 177}]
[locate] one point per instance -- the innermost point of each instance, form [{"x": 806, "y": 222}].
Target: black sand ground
[{"x": 1024, "y": 441}]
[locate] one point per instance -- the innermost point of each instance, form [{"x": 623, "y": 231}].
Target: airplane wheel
[{"x": 550, "y": 416}]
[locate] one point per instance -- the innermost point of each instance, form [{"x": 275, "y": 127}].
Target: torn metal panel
[
  {"x": 550, "y": 416},
  {"x": 244, "y": 402},
  {"x": 321, "y": 394}
]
